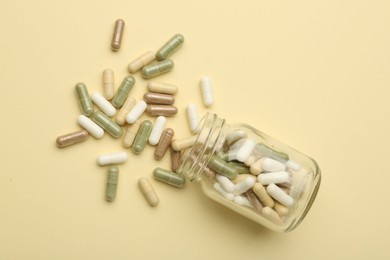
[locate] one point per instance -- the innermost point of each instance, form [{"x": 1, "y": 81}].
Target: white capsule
[
  {"x": 242, "y": 200},
  {"x": 279, "y": 195},
  {"x": 112, "y": 158},
  {"x": 92, "y": 128},
  {"x": 245, "y": 150},
  {"x": 136, "y": 112},
  {"x": 235, "y": 136},
  {"x": 157, "y": 130},
  {"x": 271, "y": 165},
  {"x": 103, "y": 104},
  {"x": 207, "y": 91},
  {"x": 227, "y": 195},
  {"x": 192, "y": 117},
  {"x": 293, "y": 165},
  {"x": 225, "y": 183},
  {"x": 108, "y": 83},
  {"x": 181, "y": 144},
  {"x": 125, "y": 109},
  {"x": 273, "y": 177},
  {"x": 244, "y": 185}
]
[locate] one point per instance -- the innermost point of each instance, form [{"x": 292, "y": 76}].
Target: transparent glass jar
[{"x": 239, "y": 146}]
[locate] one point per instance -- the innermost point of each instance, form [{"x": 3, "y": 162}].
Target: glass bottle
[{"x": 233, "y": 150}]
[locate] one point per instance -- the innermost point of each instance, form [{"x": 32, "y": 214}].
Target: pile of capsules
[{"x": 157, "y": 102}]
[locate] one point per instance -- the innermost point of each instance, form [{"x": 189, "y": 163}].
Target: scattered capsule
[
  {"x": 107, "y": 124},
  {"x": 225, "y": 183},
  {"x": 161, "y": 110},
  {"x": 221, "y": 167},
  {"x": 273, "y": 177},
  {"x": 157, "y": 130},
  {"x": 181, "y": 144},
  {"x": 123, "y": 91},
  {"x": 242, "y": 201},
  {"x": 175, "y": 159},
  {"x": 271, "y": 215},
  {"x": 163, "y": 145},
  {"x": 112, "y": 183},
  {"x": 158, "y": 99},
  {"x": 263, "y": 196},
  {"x": 226, "y": 195},
  {"x": 108, "y": 84},
  {"x": 279, "y": 195},
  {"x": 142, "y": 137},
  {"x": 117, "y": 35},
  {"x": 163, "y": 88},
  {"x": 170, "y": 47},
  {"x": 112, "y": 158},
  {"x": 120, "y": 118},
  {"x": 136, "y": 112},
  {"x": 131, "y": 132},
  {"x": 169, "y": 177},
  {"x": 92, "y": 128},
  {"x": 155, "y": 69},
  {"x": 84, "y": 99},
  {"x": 147, "y": 190},
  {"x": 245, "y": 150},
  {"x": 141, "y": 61},
  {"x": 192, "y": 117},
  {"x": 207, "y": 91},
  {"x": 244, "y": 185},
  {"x": 102, "y": 103},
  {"x": 72, "y": 138}
]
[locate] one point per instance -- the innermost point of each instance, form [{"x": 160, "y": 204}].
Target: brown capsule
[
  {"x": 158, "y": 99},
  {"x": 117, "y": 35},
  {"x": 72, "y": 138},
  {"x": 254, "y": 201},
  {"x": 164, "y": 143},
  {"x": 161, "y": 110},
  {"x": 175, "y": 159}
]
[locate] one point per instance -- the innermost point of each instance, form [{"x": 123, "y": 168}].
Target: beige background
[{"x": 314, "y": 74}]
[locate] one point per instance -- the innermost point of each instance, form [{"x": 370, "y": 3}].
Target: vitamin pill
[
  {"x": 136, "y": 112},
  {"x": 263, "y": 196},
  {"x": 293, "y": 165},
  {"x": 169, "y": 177},
  {"x": 170, "y": 47},
  {"x": 112, "y": 183},
  {"x": 256, "y": 167},
  {"x": 225, "y": 183},
  {"x": 147, "y": 190},
  {"x": 141, "y": 61},
  {"x": 280, "y": 209},
  {"x": 125, "y": 109},
  {"x": 245, "y": 150},
  {"x": 279, "y": 195},
  {"x": 161, "y": 110},
  {"x": 242, "y": 201},
  {"x": 131, "y": 132},
  {"x": 226, "y": 195},
  {"x": 271, "y": 165},
  {"x": 271, "y": 153},
  {"x": 157, "y": 130},
  {"x": 117, "y": 35},
  {"x": 163, "y": 88},
  {"x": 103, "y": 104},
  {"x": 271, "y": 215},
  {"x": 273, "y": 177},
  {"x": 123, "y": 91},
  {"x": 112, "y": 158},
  {"x": 155, "y": 69},
  {"x": 158, "y": 99},
  {"x": 108, "y": 84},
  {"x": 250, "y": 161},
  {"x": 235, "y": 136},
  {"x": 192, "y": 117},
  {"x": 164, "y": 143},
  {"x": 207, "y": 91},
  {"x": 175, "y": 159},
  {"x": 241, "y": 169},
  {"x": 84, "y": 99},
  {"x": 142, "y": 136},
  {"x": 254, "y": 201},
  {"x": 244, "y": 185},
  {"x": 107, "y": 124},
  {"x": 92, "y": 128},
  {"x": 72, "y": 138},
  {"x": 241, "y": 177},
  {"x": 221, "y": 167}
]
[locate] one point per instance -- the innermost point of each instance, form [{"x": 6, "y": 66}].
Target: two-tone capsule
[
  {"x": 170, "y": 47},
  {"x": 108, "y": 84},
  {"x": 142, "y": 137},
  {"x": 112, "y": 183},
  {"x": 123, "y": 91},
  {"x": 72, "y": 138},
  {"x": 158, "y": 68},
  {"x": 84, "y": 99},
  {"x": 107, "y": 124},
  {"x": 117, "y": 35}
]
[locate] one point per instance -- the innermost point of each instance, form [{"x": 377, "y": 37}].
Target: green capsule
[
  {"x": 123, "y": 91},
  {"x": 220, "y": 166},
  {"x": 240, "y": 167},
  {"x": 142, "y": 136},
  {"x": 158, "y": 68},
  {"x": 271, "y": 153},
  {"x": 112, "y": 183},
  {"x": 84, "y": 99},
  {"x": 170, "y": 47},
  {"x": 107, "y": 124},
  {"x": 169, "y": 177}
]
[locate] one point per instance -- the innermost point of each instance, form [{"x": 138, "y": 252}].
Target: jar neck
[{"x": 211, "y": 133}]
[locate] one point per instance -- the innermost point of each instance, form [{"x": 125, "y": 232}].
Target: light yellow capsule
[
  {"x": 251, "y": 160},
  {"x": 147, "y": 190},
  {"x": 181, "y": 144},
  {"x": 262, "y": 194},
  {"x": 108, "y": 84},
  {"x": 141, "y": 61},
  {"x": 163, "y": 88},
  {"x": 241, "y": 177},
  {"x": 256, "y": 167},
  {"x": 280, "y": 209},
  {"x": 131, "y": 132},
  {"x": 125, "y": 109},
  {"x": 272, "y": 215}
]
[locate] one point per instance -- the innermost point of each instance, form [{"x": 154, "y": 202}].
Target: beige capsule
[
  {"x": 280, "y": 209},
  {"x": 163, "y": 88},
  {"x": 161, "y": 110},
  {"x": 120, "y": 118},
  {"x": 108, "y": 84},
  {"x": 131, "y": 132},
  {"x": 117, "y": 35},
  {"x": 263, "y": 195},
  {"x": 241, "y": 177},
  {"x": 254, "y": 201},
  {"x": 183, "y": 143},
  {"x": 158, "y": 98},
  {"x": 256, "y": 167},
  {"x": 175, "y": 158},
  {"x": 72, "y": 138},
  {"x": 251, "y": 160},
  {"x": 272, "y": 215},
  {"x": 147, "y": 190},
  {"x": 141, "y": 61},
  {"x": 164, "y": 143}
]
